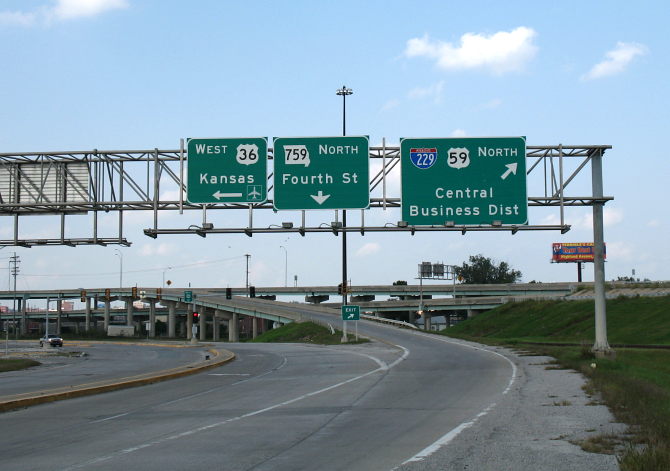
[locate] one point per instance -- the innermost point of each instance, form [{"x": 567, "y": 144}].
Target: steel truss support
[{"x": 95, "y": 182}]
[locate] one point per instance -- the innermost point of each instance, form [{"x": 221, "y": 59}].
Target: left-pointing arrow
[
  {"x": 511, "y": 168},
  {"x": 218, "y": 195},
  {"x": 320, "y": 197}
]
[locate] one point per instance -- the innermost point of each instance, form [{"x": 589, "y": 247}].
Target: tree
[
  {"x": 483, "y": 270},
  {"x": 400, "y": 283}
]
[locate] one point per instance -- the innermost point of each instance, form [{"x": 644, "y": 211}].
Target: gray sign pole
[{"x": 601, "y": 347}]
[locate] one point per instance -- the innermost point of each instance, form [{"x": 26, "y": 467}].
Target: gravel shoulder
[{"x": 534, "y": 426}]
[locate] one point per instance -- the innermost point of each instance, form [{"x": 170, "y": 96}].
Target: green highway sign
[
  {"x": 321, "y": 172},
  {"x": 227, "y": 170},
  {"x": 188, "y": 296},
  {"x": 464, "y": 181},
  {"x": 351, "y": 313}
]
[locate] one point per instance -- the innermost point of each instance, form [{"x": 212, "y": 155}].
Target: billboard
[{"x": 562, "y": 252}]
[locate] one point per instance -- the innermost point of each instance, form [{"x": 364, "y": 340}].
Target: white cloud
[
  {"x": 170, "y": 195},
  {"x": 620, "y": 251},
  {"x": 389, "y": 105},
  {"x": 489, "y": 105},
  {"x": 61, "y": 10},
  {"x": 458, "y": 133},
  {"x": 150, "y": 250},
  {"x": 432, "y": 92},
  {"x": 611, "y": 217},
  {"x": 616, "y": 60},
  {"x": 67, "y": 9},
  {"x": 18, "y": 18},
  {"x": 654, "y": 223},
  {"x": 368, "y": 249},
  {"x": 502, "y": 52}
]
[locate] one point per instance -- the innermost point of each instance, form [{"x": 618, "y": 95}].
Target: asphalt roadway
[
  {"x": 101, "y": 361},
  {"x": 374, "y": 406}
]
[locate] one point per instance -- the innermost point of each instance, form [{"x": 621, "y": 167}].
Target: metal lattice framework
[{"x": 98, "y": 182}]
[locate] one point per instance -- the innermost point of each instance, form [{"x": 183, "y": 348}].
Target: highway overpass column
[
  {"x": 152, "y": 318},
  {"x": 129, "y": 311},
  {"x": 24, "y": 317},
  {"x": 106, "y": 315},
  {"x": 427, "y": 320},
  {"x": 172, "y": 318},
  {"x": 471, "y": 313},
  {"x": 215, "y": 325},
  {"x": 189, "y": 323},
  {"x": 202, "y": 310},
  {"x": 87, "y": 319},
  {"x": 233, "y": 328},
  {"x": 254, "y": 327},
  {"x": 59, "y": 311}
]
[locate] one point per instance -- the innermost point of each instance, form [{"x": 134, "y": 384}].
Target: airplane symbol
[{"x": 254, "y": 194}]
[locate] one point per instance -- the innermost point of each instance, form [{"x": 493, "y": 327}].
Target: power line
[{"x": 146, "y": 270}]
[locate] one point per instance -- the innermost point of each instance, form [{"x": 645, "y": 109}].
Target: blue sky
[{"x": 140, "y": 74}]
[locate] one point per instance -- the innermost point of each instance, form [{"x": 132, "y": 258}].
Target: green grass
[
  {"x": 17, "y": 364},
  {"x": 635, "y": 385},
  {"x": 630, "y": 321},
  {"x": 302, "y": 332}
]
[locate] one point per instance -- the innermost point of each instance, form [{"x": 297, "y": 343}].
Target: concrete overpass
[{"x": 215, "y": 310}]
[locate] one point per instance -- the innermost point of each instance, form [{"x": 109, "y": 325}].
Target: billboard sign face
[{"x": 573, "y": 252}]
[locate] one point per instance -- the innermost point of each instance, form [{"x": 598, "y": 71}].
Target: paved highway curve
[{"x": 277, "y": 407}]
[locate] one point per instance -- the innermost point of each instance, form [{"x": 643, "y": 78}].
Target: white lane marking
[
  {"x": 447, "y": 437},
  {"x": 453, "y": 433},
  {"x": 283, "y": 364},
  {"x": 203, "y": 392},
  {"x": 109, "y": 418},
  {"x": 234, "y": 419},
  {"x": 229, "y": 374}
]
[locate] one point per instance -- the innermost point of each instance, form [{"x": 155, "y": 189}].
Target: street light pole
[
  {"x": 285, "y": 266},
  {"x": 343, "y": 92},
  {"x": 120, "y": 255},
  {"x": 247, "y": 272},
  {"x": 168, "y": 268}
]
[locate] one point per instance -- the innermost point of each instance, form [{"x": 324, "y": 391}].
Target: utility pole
[{"x": 14, "y": 261}]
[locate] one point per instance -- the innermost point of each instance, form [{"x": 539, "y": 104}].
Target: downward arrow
[
  {"x": 511, "y": 168},
  {"x": 320, "y": 197}
]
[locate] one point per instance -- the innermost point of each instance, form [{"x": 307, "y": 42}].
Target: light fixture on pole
[{"x": 285, "y": 266}]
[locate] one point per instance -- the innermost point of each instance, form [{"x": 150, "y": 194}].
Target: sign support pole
[{"x": 601, "y": 347}]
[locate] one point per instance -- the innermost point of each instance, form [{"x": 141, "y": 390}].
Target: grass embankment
[
  {"x": 17, "y": 364},
  {"x": 303, "y": 332},
  {"x": 635, "y": 385}
]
